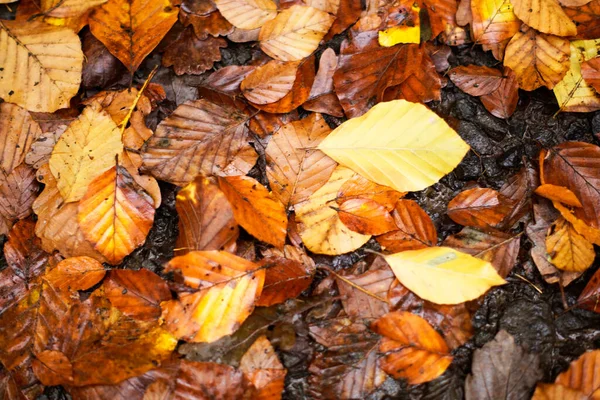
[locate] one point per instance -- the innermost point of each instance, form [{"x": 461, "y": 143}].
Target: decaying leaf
[
  {"x": 41, "y": 65},
  {"x": 502, "y": 102},
  {"x": 479, "y": 207},
  {"x": 190, "y": 55},
  {"x": 476, "y": 80},
  {"x": 415, "y": 230},
  {"x": 322, "y": 98},
  {"x": 262, "y": 367},
  {"x": 18, "y": 191},
  {"x": 270, "y": 82},
  {"x": 586, "y": 18},
  {"x": 18, "y": 131},
  {"x": 284, "y": 279},
  {"x": 371, "y": 146},
  {"x": 589, "y": 298},
  {"x": 443, "y": 275}
]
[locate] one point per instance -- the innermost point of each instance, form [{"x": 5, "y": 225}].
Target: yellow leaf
[
  {"x": 546, "y": 16},
  {"x": 569, "y": 250},
  {"x": 295, "y": 33},
  {"x": 402, "y": 33},
  {"x": 68, "y": 8},
  {"x": 443, "y": 275},
  {"x": 86, "y": 149},
  {"x": 590, "y": 233},
  {"x": 247, "y": 14},
  {"x": 320, "y": 227},
  {"x": 41, "y": 65},
  {"x": 573, "y": 94},
  {"x": 398, "y": 144}
]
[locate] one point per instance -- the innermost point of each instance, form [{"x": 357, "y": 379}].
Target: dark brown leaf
[
  {"x": 100, "y": 67},
  {"x": 479, "y": 207},
  {"x": 476, "y": 80},
  {"x": 190, "y": 55},
  {"x": 18, "y": 191}
]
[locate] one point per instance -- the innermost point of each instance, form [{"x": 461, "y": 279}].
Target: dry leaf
[
  {"x": 443, "y": 275},
  {"x": 502, "y": 103},
  {"x": 18, "y": 191},
  {"x": 494, "y": 24},
  {"x": 68, "y": 8},
  {"x": 415, "y": 230},
  {"x": 190, "y": 55},
  {"x": 546, "y": 16},
  {"x": 372, "y": 146},
  {"x": 589, "y": 297},
  {"x": 212, "y": 23},
  {"x": 17, "y": 133},
  {"x": 262, "y": 367},
  {"x": 569, "y": 250},
  {"x": 270, "y": 83},
  {"x": 247, "y": 14},
  {"x": 256, "y": 209},
  {"x": 479, "y": 207},
  {"x": 320, "y": 227},
  {"x": 41, "y": 65},
  {"x": 322, "y": 97},
  {"x": 360, "y": 305},
  {"x": 476, "y": 80},
  {"x": 411, "y": 348},
  {"x": 295, "y": 33},
  {"x": 131, "y": 29}
]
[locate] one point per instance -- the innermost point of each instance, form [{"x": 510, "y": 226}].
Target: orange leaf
[
  {"x": 52, "y": 368},
  {"x": 136, "y": 293},
  {"x": 415, "y": 229},
  {"x": 115, "y": 214},
  {"x": 256, "y": 209},
  {"x": 587, "y": 19},
  {"x": 358, "y": 187},
  {"x": 75, "y": 273},
  {"x": 546, "y": 16},
  {"x": 270, "y": 82},
  {"x": 262, "y": 367},
  {"x": 366, "y": 217},
  {"x": 284, "y": 279},
  {"x": 476, "y": 80},
  {"x": 590, "y": 70},
  {"x": 479, "y": 207},
  {"x": 494, "y": 24},
  {"x": 558, "y": 193},
  {"x": 412, "y": 349},
  {"x": 578, "y": 382}
]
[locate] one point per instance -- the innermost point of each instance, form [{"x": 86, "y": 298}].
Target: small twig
[
  {"x": 137, "y": 99},
  {"x": 354, "y": 285},
  {"x": 531, "y": 283},
  {"x": 562, "y": 295}
]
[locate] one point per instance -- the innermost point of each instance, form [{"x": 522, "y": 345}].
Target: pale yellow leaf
[
  {"x": 86, "y": 149},
  {"x": 41, "y": 65},
  {"x": 398, "y": 144},
  {"x": 443, "y": 275},
  {"x": 546, "y": 16},
  {"x": 319, "y": 225},
  {"x": 295, "y": 33},
  {"x": 247, "y": 14}
]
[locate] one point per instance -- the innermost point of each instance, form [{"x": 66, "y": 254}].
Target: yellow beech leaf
[
  {"x": 228, "y": 287},
  {"x": 403, "y": 33},
  {"x": 537, "y": 59},
  {"x": 320, "y": 227},
  {"x": 569, "y": 250},
  {"x": 295, "y": 33},
  {"x": 573, "y": 94},
  {"x": 115, "y": 214},
  {"x": 86, "y": 149},
  {"x": 546, "y": 16},
  {"x": 41, "y": 65},
  {"x": 443, "y": 275},
  {"x": 590, "y": 233},
  {"x": 247, "y": 14},
  {"x": 387, "y": 145}
]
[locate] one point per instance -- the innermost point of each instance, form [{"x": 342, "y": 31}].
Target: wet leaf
[
  {"x": 284, "y": 279},
  {"x": 247, "y": 14},
  {"x": 476, "y": 80},
  {"x": 227, "y": 80},
  {"x": 411, "y": 348},
  {"x": 590, "y": 71},
  {"x": 75, "y": 273},
  {"x": 502, "y": 369},
  {"x": 586, "y": 18},
  {"x": 261, "y": 366},
  {"x": 206, "y": 219},
  {"x": 358, "y": 187},
  {"x": 228, "y": 287},
  {"x": 115, "y": 214},
  {"x": 131, "y": 29},
  {"x": 320, "y": 227},
  {"x": 443, "y": 275},
  {"x": 589, "y": 297},
  {"x": 538, "y": 59},
  {"x": 295, "y": 168},
  {"x": 256, "y": 209},
  {"x": 479, "y": 207},
  {"x": 100, "y": 67},
  {"x": 502, "y": 103},
  {"x": 366, "y": 216},
  {"x": 295, "y": 33},
  {"x": 190, "y": 55},
  {"x": 535, "y": 13},
  {"x": 409, "y": 165},
  {"x": 573, "y": 93},
  {"x": 362, "y": 306},
  {"x": 494, "y": 24},
  {"x": 42, "y": 72},
  {"x": 569, "y": 250},
  {"x": 407, "y": 25},
  {"x": 18, "y": 131},
  {"x": 52, "y": 368},
  {"x": 415, "y": 230},
  {"x": 558, "y": 193}
]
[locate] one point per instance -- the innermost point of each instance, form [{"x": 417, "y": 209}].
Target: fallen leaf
[
  {"x": 131, "y": 29},
  {"x": 186, "y": 143},
  {"x": 415, "y": 230},
  {"x": 479, "y": 207},
  {"x": 228, "y": 287},
  {"x": 190, "y": 55},
  {"x": 295, "y": 168},
  {"x": 270, "y": 82},
  {"x": 519, "y": 189},
  {"x": 589, "y": 297},
  {"x": 247, "y": 14},
  {"x": 476, "y": 80},
  {"x": 322, "y": 97},
  {"x": 502, "y": 369},
  {"x": 137, "y": 294},
  {"x": 261, "y": 366},
  {"x": 284, "y": 279},
  {"x": 41, "y": 149},
  {"x": 494, "y": 24},
  {"x": 558, "y": 193},
  {"x": 18, "y": 131},
  {"x": 586, "y": 19},
  {"x": 358, "y": 187},
  {"x": 18, "y": 191},
  {"x": 546, "y": 16},
  {"x": 31, "y": 9},
  {"x": 409, "y": 165},
  {"x": 68, "y": 8},
  {"x": 502, "y": 103},
  {"x": 320, "y": 227},
  {"x": 406, "y": 26},
  {"x": 227, "y": 80},
  {"x": 100, "y": 67},
  {"x": 52, "y": 368},
  {"x": 366, "y": 216},
  {"x": 256, "y": 209},
  {"x": 538, "y": 59},
  {"x": 590, "y": 71},
  {"x": 569, "y": 250},
  {"x": 212, "y": 24},
  {"x": 411, "y": 348},
  {"x": 295, "y": 33},
  {"x": 42, "y": 72},
  {"x": 549, "y": 391},
  {"x": 75, "y": 273},
  {"x": 358, "y": 304},
  {"x": 441, "y": 15},
  {"x": 443, "y": 275},
  {"x": 206, "y": 219}
]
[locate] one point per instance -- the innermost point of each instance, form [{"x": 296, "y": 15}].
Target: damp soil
[{"x": 531, "y": 310}]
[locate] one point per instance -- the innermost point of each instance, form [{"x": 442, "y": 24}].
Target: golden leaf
[
  {"x": 546, "y": 16},
  {"x": 247, "y": 14},
  {"x": 569, "y": 250}
]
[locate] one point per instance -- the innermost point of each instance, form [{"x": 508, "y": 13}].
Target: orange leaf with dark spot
[
  {"x": 52, "y": 368},
  {"x": 476, "y": 80}
]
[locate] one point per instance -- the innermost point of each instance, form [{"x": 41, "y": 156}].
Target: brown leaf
[
  {"x": 578, "y": 382},
  {"x": 100, "y": 67},
  {"x": 295, "y": 168},
  {"x": 212, "y": 24},
  {"x": 261, "y": 366},
  {"x": 270, "y": 83},
  {"x": 569, "y": 250},
  {"x": 190, "y": 55},
  {"x": 587, "y": 19},
  {"x": 415, "y": 229},
  {"x": 358, "y": 187},
  {"x": 136, "y": 294},
  {"x": 493, "y": 24},
  {"x": 558, "y": 193},
  {"x": 412, "y": 349},
  {"x": 227, "y": 80},
  {"x": 17, "y": 133},
  {"x": 590, "y": 70},
  {"x": 284, "y": 279},
  {"x": 502, "y": 369},
  {"x": 502, "y": 102},
  {"x": 75, "y": 273},
  {"x": 499, "y": 248},
  {"x": 131, "y": 29},
  {"x": 589, "y": 297},
  {"x": 18, "y": 191},
  {"x": 479, "y": 207},
  {"x": 546, "y": 16},
  {"x": 463, "y": 13},
  {"x": 206, "y": 219},
  {"x": 538, "y": 59},
  {"x": 441, "y": 15},
  {"x": 366, "y": 217},
  {"x": 519, "y": 188},
  {"x": 256, "y": 209},
  {"x": 476, "y": 80},
  {"x": 186, "y": 144},
  {"x": 322, "y": 97},
  {"x": 52, "y": 368},
  {"x": 115, "y": 214}
]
